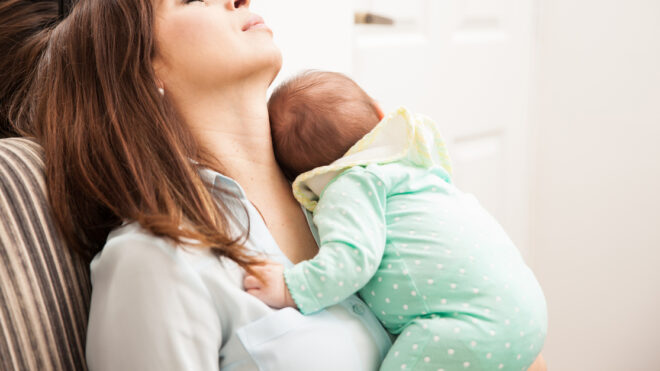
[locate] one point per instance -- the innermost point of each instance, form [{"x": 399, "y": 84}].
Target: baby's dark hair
[{"x": 315, "y": 117}]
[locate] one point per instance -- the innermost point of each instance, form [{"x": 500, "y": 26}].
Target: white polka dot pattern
[{"x": 417, "y": 249}]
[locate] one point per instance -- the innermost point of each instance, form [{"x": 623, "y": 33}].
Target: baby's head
[{"x": 316, "y": 117}]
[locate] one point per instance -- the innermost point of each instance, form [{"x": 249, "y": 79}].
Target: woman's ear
[{"x": 158, "y": 71}]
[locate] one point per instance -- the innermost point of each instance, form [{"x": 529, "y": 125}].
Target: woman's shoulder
[
  {"x": 131, "y": 250},
  {"x": 132, "y": 243},
  {"x": 145, "y": 290},
  {"x": 132, "y": 234}
]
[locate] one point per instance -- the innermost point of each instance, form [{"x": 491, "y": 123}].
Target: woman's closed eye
[{"x": 237, "y": 3}]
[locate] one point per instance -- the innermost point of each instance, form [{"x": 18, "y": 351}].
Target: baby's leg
[
  {"x": 408, "y": 349},
  {"x": 450, "y": 344},
  {"x": 426, "y": 344}
]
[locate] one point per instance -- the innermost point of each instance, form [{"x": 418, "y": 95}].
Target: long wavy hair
[
  {"x": 22, "y": 28},
  {"x": 115, "y": 148}
]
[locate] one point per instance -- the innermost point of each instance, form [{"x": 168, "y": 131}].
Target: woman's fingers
[{"x": 538, "y": 365}]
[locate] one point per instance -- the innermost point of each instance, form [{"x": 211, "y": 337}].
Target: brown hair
[
  {"x": 316, "y": 117},
  {"x": 22, "y": 39},
  {"x": 115, "y": 148}
]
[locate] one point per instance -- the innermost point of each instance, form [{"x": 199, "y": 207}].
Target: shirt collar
[{"x": 219, "y": 181}]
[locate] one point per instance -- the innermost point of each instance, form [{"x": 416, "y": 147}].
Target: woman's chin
[
  {"x": 276, "y": 65},
  {"x": 269, "y": 63}
]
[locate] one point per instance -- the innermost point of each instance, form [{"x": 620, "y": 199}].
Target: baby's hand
[{"x": 274, "y": 291}]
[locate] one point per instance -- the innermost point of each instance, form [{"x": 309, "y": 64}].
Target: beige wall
[{"x": 596, "y": 174}]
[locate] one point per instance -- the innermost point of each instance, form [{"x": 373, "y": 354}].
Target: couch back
[{"x": 44, "y": 287}]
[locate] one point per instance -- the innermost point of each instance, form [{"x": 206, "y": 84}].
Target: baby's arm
[{"x": 350, "y": 218}]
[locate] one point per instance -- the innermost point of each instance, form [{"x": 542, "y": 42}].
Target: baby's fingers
[
  {"x": 251, "y": 282},
  {"x": 255, "y": 292},
  {"x": 267, "y": 267}
]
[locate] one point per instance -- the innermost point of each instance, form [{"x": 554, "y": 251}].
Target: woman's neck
[{"x": 233, "y": 126}]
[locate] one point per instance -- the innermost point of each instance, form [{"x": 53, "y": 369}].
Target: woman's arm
[
  {"x": 538, "y": 365},
  {"x": 149, "y": 310}
]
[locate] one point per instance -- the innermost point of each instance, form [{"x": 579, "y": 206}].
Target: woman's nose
[{"x": 235, "y": 4}]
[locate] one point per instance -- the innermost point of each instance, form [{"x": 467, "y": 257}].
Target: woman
[
  {"x": 22, "y": 27},
  {"x": 151, "y": 115},
  {"x": 138, "y": 106}
]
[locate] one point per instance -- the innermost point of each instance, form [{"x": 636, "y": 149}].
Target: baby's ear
[{"x": 379, "y": 110}]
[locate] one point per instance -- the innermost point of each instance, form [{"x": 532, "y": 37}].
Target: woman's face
[{"x": 212, "y": 43}]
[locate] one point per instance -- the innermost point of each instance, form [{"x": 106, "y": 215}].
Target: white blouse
[{"x": 158, "y": 306}]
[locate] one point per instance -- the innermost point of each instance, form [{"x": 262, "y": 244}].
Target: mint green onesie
[{"x": 429, "y": 261}]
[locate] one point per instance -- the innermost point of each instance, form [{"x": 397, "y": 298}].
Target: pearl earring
[{"x": 161, "y": 91}]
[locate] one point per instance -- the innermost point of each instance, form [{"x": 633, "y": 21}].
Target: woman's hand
[
  {"x": 538, "y": 365},
  {"x": 273, "y": 291}
]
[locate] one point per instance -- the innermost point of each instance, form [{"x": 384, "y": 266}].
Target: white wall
[
  {"x": 312, "y": 34},
  {"x": 595, "y": 115},
  {"x": 596, "y": 193}
]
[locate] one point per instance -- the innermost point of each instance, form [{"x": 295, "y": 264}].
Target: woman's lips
[{"x": 253, "y": 22}]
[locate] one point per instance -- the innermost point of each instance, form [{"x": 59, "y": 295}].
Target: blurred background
[{"x": 552, "y": 113}]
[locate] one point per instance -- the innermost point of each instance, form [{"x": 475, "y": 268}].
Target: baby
[{"x": 428, "y": 260}]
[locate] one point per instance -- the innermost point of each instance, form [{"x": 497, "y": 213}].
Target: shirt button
[{"x": 358, "y": 309}]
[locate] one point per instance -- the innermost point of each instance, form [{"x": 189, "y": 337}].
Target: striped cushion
[{"x": 44, "y": 288}]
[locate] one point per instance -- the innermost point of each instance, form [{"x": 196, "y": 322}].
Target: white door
[
  {"x": 312, "y": 34},
  {"x": 465, "y": 63}
]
